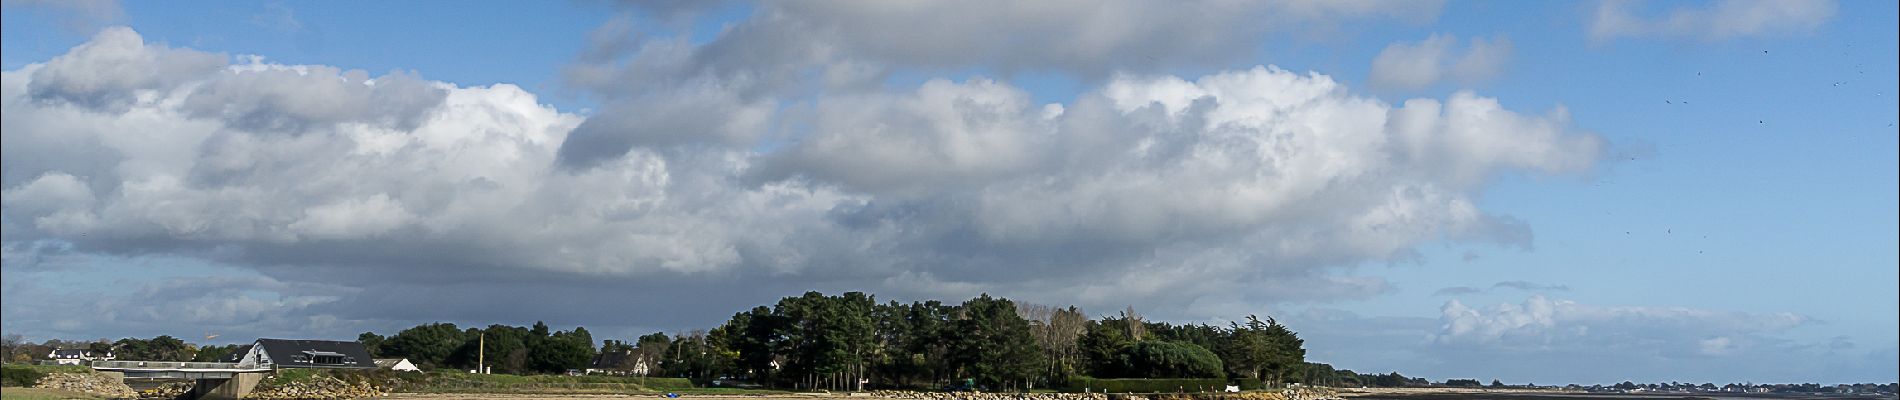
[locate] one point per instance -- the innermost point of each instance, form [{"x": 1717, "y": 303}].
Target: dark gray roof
[
  {"x": 613, "y": 359},
  {"x": 296, "y": 353},
  {"x": 237, "y": 354},
  {"x": 70, "y": 353}
]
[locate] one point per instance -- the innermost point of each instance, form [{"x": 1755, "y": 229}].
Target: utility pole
[{"x": 481, "y": 353}]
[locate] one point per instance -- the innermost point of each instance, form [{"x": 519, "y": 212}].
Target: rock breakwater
[
  {"x": 318, "y": 388},
  {"x": 104, "y": 385}
]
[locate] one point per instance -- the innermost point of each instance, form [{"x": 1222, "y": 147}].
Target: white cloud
[
  {"x": 1092, "y": 38},
  {"x": 265, "y": 98},
  {"x": 1421, "y": 64},
  {"x": 959, "y": 135},
  {"x": 63, "y": 202},
  {"x": 1547, "y": 341},
  {"x": 1716, "y": 346},
  {"x": 351, "y": 218},
  {"x": 1541, "y": 324},
  {"x": 115, "y": 68},
  {"x": 1719, "y": 20},
  {"x": 1196, "y": 196}
]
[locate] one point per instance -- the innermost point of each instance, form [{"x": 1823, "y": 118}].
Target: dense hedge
[
  {"x": 19, "y": 376},
  {"x": 1250, "y": 384},
  {"x": 1146, "y": 385},
  {"x": 1159, "y": 359},
  {"x": 25, "y": 375}
]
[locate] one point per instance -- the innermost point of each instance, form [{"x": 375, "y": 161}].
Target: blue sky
[{"x": 1680, "y": 191}]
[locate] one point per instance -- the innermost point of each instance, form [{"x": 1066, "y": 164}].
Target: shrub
[
  {"x": 1163, "y": 359},
  {"x": 25, "y": 375},
  {"x": 19, "y": 376},
  {"x": 1250, "y": 384}
]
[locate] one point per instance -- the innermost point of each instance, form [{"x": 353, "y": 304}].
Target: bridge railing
[{"x": 162, "y": 365}]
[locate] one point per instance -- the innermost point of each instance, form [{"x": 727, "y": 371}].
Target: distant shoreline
[{"x": 1546, "y": 394}]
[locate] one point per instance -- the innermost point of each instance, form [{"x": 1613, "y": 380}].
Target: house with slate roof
[{"x": 284, "y": 353}]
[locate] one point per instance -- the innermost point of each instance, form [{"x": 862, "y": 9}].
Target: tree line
[
  {"x": 852, "y": 341},
  {"x": 504, "y": 349},
  {"x": 161, "y": 348}
]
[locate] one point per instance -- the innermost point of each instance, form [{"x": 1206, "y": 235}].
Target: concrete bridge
[{"x": 219, "y": 381}]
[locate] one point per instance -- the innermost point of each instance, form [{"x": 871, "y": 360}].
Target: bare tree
[
  {"x": 1066, "y": 327},
  {"x": 11, "y": 344},
  {"x": 1136, "y": 327}
]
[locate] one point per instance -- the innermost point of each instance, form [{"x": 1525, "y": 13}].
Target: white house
[
  {"x": 618, "y": 363},
  {"x": 397, "y": 364},
  {"x": 78, "y": 356}
]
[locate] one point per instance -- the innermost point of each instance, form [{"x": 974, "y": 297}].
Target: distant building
[
  {"x": 282, "y": 353},
  {"x": 618, "y": 363},
  {"x": 237, "y": 354},
  {"x": 78, "y": 356},
  {"x": 397, "y": 364}
]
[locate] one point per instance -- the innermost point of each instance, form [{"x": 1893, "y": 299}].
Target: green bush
[
  {"x": 19, "y": 376},
  {"x": 25, "y": 375},
  {"x": 1146, "y": 385},
  {"x": 1169, "y": 360}
]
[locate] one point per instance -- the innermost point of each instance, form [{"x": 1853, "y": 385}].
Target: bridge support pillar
[{"x": 234, "y": 388}]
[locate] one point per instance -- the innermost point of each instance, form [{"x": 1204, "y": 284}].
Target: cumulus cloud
[
  {"x": 265, "y": 98},
  {"x": 1421, "y": 64},
  {"x": 666, "y": 89},
  {"x": 1719, "y": 20},
  {"x": 1544, "y": 339},
  {"x": 115, "y": 68},
  {"x": 1547, "y": 340},
  {"x": 1540, "y": 324},
  {"x": 1077, "y": 36},
  {"x": 1195, "y": 197},
  {"x": 944, "y": 133}
]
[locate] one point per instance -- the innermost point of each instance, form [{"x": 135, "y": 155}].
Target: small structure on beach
[{"x": 397, "y": 364}]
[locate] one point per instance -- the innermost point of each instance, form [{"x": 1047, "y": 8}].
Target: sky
[{"x": 1536, "y": 192}]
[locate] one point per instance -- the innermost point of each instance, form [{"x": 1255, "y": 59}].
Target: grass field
[{"x": 458, "y": 382}]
